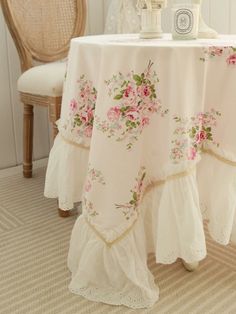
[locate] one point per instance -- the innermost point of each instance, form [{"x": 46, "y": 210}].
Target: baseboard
[{"x": 18, "y": 169}]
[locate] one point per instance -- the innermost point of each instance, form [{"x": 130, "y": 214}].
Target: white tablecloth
[{"x": 147, "y": 142}]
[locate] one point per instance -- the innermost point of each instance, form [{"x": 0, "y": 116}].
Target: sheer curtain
[{"x": 122, "y": 17}]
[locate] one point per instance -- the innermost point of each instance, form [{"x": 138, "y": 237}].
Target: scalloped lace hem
[
  {"x": 113, "y": 297},
  {"x": 63, "y": 204},
  {"x": 190, "y": 256},
  {"x": 92, "y": 264},
  {"x": 220, "y": 233}
]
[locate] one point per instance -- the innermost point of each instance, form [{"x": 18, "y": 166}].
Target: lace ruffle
[
  {"x": 217, "y": 192},
  {"x": 92, "y": 263},
  {"x": 173, "y": 221},
  {"x": 122, "y": 17},
  {"x": 66, "y": 173}
]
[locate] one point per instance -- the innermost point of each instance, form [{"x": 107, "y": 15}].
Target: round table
[{"x": 147, "y": 143}]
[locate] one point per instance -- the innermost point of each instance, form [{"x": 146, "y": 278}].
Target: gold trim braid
[
  {"x": 110, "y": 243},
  {"x": 73, "y": 143},
  {"x": 169, "y": 178},
  {"x": 218, "y": 157}
]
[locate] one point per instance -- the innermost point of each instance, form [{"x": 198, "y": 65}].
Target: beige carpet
[{"x": 34, "y": 277}]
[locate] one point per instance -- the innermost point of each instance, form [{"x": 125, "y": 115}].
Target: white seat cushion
[{"x": 43, "y": 80}]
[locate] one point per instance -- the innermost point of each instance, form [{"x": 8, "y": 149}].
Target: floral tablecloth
[{"x": 147, "y": 142}]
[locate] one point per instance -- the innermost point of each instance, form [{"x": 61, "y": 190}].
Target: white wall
[{"x": 220, "y": 14}]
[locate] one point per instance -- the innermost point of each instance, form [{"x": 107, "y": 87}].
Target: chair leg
[
  {"x": 28, "y": 130},
  {"x": 190, "y": 266},
  {"x": 63, "y": 213},
  {"x": 54, "y": 115},
  {"x": 55, "y": 130}
]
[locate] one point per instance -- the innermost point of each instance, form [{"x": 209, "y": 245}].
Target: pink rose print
[
  {"x": 192, "y": 153},
  {"x": 130, "y": 209},
  {"x": 113, "y": 114},
  {"x": 201, "y": 136},
  {"x": 89, "y": 114},
  {"x": 191, "y": 134},
  {"x": 136, "y": 102},
  {"x": 231, "y": 59},
  {"x": 146, "y": 91},
  {"x": 88, "y": 131},
  {"x": 132, "y": 113},
  {"x": 145, "y": 121},
  {"x": 128, "y": 91},
  {"x": 216, "y": 51},
  {"x": 82, "y": 108},
  {"x": 88, "y": 186},
  {"x": 143, "y": 91},
  {"x": 93, "y": 177},
  {"x": 229, "y": 53},
  {"x": 88, "y": 208},
  {"x": 73, "y": 105},
  {"x": 200, "y": 116}
]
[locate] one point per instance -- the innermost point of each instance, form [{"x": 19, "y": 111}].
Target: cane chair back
[{"x": 42, "y": 29}]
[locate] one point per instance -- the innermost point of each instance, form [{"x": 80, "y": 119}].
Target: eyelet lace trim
[
  {"x": 134, "y": 299},
  {"x": 190, "y": 256}
]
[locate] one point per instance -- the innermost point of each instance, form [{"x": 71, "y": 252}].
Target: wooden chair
[{"x": 42, "y": 30}]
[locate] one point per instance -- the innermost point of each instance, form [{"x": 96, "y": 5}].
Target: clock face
[{"x": 183, "y": 21}]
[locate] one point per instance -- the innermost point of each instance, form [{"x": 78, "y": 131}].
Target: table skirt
[{"x": 170, "y": 225}]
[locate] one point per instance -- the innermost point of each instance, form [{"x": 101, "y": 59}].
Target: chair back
[{"x": 42, "y": 29}]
